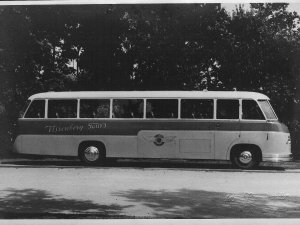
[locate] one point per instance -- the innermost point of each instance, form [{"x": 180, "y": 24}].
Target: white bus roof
[{"x": 149, "y": 94}]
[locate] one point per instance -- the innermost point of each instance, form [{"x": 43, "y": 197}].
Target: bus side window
[
  {"x": 62, "y": 108},
  {"x": 128, "y": 108},
  {"x": 94, "y": 108},
  {"x": 36, "y": 109},
  {"x": 227, "y": 109},
  {"x": 162, "y": 108},
  {"x": 251, "y": 110},
  {"x": 197, "y": 108}
]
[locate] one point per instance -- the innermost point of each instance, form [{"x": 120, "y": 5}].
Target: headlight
[{"x": 289, "y": 140}]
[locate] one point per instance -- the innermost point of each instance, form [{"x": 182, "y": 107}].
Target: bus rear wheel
[
  {"x": 91, "y": 153},
  {"x": 245, "y": 158}
]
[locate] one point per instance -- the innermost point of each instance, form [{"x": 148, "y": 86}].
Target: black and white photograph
[{"x": 141, "y": 110}]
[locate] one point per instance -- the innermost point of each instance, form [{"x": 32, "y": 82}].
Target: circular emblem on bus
[{"x": 159, "y": 140}]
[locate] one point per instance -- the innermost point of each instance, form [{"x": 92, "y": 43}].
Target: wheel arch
[{"x": 239, "y": 146}]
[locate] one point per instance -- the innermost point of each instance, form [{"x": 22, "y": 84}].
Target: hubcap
[
  {"x": 91, "y": 153},
  {"x": 245, "y": 157}
]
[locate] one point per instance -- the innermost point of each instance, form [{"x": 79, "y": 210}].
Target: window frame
[{"x": 179, "y": 104}]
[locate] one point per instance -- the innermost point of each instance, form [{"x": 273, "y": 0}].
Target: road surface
[{"x": 116, "y": 192}]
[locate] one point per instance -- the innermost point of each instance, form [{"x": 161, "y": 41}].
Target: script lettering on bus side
[
  {"x": 97, "y": 125},
  {"x": 57, "y": 129}
]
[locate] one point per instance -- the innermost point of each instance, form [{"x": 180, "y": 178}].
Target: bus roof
[{"x": 149, "y": 94}]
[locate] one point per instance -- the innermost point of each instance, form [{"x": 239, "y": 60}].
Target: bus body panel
[
  {"x": 277, "y": 147},
  {"x": 126, "y": 127},
  {"x": 67, "y": 145},
  {"x": 226, "y": 132},
  {"x": 176, "y": 144},
  {"x": 223, "y": 142},
  {"x": 47, "y": 145},
  {"x": 257, "y": 138},
  {"x": 121, "y": 146},
  {"x": 190, "y": 139}
]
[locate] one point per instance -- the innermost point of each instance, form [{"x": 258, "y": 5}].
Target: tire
[
  {"x": 246, "y": 158},
  {"x": 91, "y": 154}
]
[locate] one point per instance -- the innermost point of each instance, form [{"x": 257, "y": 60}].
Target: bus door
[{"x": 227, "y": 126}]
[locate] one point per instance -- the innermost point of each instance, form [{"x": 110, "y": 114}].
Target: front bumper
[{"x": 277, "y": 158}]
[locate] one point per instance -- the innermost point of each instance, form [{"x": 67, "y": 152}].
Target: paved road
[{"x": 126, "y": 192}]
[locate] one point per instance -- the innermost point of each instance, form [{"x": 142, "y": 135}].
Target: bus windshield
[{"x": 267, "y": 109}]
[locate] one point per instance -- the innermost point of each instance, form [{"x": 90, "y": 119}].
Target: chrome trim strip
[{"x": 278, "y": 158}]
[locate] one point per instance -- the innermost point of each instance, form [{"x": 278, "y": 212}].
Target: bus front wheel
[
  {"x": 91, "y": 153},
  {"x": 245, "y": 158}
]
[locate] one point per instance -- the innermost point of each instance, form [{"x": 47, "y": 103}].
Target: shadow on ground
[
  {"x": 139, "y": 164},
  {"x": 140, "y": 203},
  {"x": 33, "y": 203},
  {"x": 203, "y": 204}
]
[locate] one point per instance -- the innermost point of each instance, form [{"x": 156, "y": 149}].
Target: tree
[
  {"x": 30, "y": 58},
  {"x": 264, "y": 46},
  {"x": 176, "y": 46}
]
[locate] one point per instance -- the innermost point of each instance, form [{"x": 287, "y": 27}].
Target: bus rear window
[
  {"x": 162, "y": 108},
  {"x": 267, "y": 109},
  {"x": 94, "y": 108},
  {"x": 36, "y": 109},
  {"x": 62, "y": 108}
]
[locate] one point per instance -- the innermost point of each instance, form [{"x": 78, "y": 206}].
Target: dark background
[{"x": 149, "y": 47}]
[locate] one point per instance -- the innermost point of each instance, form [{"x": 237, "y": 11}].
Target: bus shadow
[{"x": 139, "y": 164}]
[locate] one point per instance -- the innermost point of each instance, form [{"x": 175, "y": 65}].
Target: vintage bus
[{"x": 215, "y": 125}]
